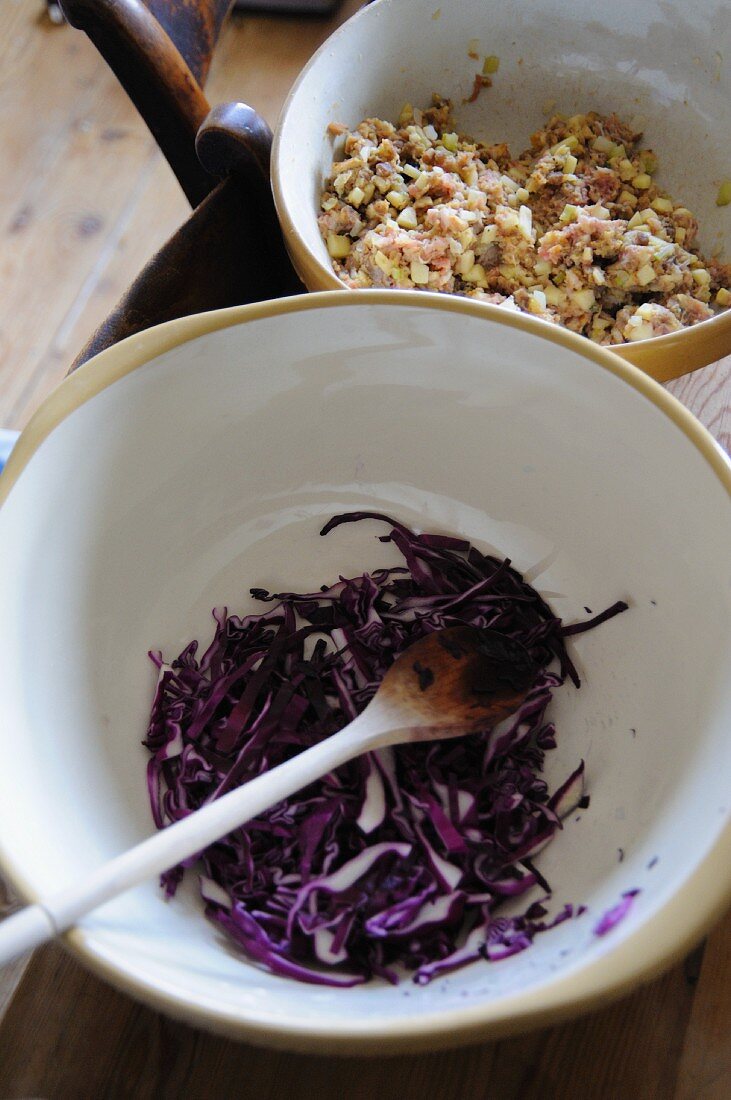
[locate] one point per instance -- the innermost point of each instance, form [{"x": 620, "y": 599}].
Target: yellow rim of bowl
[{"x": 665, "y": 935}]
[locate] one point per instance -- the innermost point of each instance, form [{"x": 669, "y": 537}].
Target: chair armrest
[
  {"x": 234, "y": 139},
  {"x": 222, "y": 256}
]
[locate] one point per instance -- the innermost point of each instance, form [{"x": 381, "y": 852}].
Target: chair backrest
[
  {"x": 160, "y": 51},
  {"x": 230, "y": 250},
  {"x": 193, "y": 27}
]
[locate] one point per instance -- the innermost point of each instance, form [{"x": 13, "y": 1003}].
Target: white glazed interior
[
  {"x": 663, "y": 64},
  {"x": 210, "y": 469}
]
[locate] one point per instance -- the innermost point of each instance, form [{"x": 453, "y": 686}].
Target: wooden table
[{"x": 79, "y": 220}]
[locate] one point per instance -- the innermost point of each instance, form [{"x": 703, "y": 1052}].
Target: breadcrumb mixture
[{"x": 574, "y": 230}]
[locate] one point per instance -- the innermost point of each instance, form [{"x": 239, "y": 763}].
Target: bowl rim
[
  {"x": 666, "y": 934},
  {"x": 663, "y": 357}
]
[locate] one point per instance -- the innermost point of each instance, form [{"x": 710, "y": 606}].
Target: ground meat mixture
[{"x": 574, "y": 230}]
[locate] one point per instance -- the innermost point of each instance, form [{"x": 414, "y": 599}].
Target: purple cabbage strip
[
  {"x": 618, "y": 912},
  {"x": 399, "y": 859}
]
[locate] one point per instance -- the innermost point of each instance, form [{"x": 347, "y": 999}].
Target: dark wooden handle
[{"x": 234, "y": 140}]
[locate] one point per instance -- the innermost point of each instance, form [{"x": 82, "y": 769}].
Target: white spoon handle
[
  {"x": 165, "y": 849},
  {"x": 24, "y": 931}
]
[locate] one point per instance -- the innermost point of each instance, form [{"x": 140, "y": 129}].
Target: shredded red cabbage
[
  {"x": 399, "y": 859},
  {"x": 617, "y": 913}
]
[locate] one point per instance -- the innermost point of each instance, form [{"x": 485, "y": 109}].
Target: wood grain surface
[{"x": 84, "y": 200}]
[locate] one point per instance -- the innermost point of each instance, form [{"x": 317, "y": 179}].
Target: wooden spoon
[{"x": 449, "y": 683}]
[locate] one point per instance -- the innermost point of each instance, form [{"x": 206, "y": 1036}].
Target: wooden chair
[{"x": 230, "y": 250}]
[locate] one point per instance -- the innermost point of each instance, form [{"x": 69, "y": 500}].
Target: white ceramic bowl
[
  {"x": 663, "y": 64},
  {"x": 200, "y": 458}
]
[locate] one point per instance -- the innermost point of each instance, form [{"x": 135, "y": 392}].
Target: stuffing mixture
[{"x": 574, "y": 230}]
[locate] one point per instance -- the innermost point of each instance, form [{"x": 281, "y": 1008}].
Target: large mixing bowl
[
  {"x": 662, "y": 64},
  {"x": 198, "y": 459}
]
